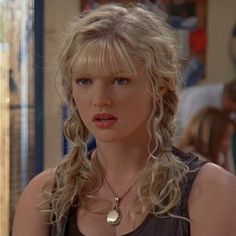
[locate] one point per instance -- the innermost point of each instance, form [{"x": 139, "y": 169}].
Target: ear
[{"x": 163, "y": 90}]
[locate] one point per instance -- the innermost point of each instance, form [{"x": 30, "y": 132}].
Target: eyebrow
[{"x": 116, "y": 73}]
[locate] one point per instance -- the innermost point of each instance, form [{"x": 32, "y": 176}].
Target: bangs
[{"x": 104, "y": 56}]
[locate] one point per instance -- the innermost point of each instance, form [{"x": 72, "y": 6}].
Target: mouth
[
  {"x": 104, "y": 117},
  {"x": 104, "y": 120}
]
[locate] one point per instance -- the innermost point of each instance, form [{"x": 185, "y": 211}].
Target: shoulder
[
  {"x": 212, "y": 202},
  {"x": 212, "y": 177},
  {"x": 28, "y": 218},
  {"x": 191, "y": 91},
  {"x": 41, "y": 182},
  {"x": 201, "y": 91},
  {"x": 192, "y": 98}
]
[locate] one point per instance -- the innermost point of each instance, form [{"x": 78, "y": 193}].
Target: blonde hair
[{"x": 101, "y": 39}]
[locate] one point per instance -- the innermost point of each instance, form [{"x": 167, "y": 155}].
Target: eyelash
[
  {"x": 124, "y": 81},
  {"x": 117, "y": 81},
  {"x": 81, "y": 82}
]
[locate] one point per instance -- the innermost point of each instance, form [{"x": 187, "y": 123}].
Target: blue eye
[
  {"x": 83, "y": 81},
  {"x": 121, "y": 81}
]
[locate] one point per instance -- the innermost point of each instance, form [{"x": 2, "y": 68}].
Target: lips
[{"x": 104, "y": 120}]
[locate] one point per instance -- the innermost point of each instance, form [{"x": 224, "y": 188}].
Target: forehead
[{"x": 102, "y": 58}]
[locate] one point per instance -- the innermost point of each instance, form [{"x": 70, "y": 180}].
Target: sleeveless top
[{"x": 152, "y": 225}]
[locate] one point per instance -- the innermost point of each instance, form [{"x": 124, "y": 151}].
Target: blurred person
[
  {"x": 119, "y": 72},
  {"x": 209, "y": 133},
  {"x": 194, "y": 98}
]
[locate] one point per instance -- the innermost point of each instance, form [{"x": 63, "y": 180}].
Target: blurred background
[{"x": 31, "y": 111}]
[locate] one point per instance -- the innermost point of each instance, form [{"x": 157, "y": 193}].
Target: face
[
  {"x": 229, "y": 106},
  {"x": 227, "y": 137},
  {"x": 115, "y": 107}
]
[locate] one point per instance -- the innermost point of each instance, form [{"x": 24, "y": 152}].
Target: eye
[
  {"x": 83, "y": 81},
  {"x": 121, "y": 81}
]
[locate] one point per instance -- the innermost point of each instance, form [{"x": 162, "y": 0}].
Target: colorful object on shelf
[{"x": 198, "y": 40}]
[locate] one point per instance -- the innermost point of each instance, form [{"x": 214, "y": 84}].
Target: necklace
[{"x": 114, "y": 216}]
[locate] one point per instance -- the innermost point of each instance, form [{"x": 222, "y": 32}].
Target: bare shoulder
[
  {"x": 37, "y": 186},
  {"x": 212, "y": 176},
  {"x": 29, "y": 220},
  {"x": 212, "y": 202}
]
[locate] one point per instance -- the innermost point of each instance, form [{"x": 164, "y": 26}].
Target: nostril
[{"x": 101, "y": 101}]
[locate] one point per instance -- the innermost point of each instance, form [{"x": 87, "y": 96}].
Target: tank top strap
[
  {"x": 63, "y": 224},
  {"x": 194, "y": 164}
]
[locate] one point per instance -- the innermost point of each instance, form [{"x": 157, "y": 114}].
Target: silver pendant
[{"x": 114, "y": 216}]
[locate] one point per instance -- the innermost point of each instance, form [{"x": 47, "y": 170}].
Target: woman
[
  {"x": 210, "y": 134},
  {"x": 119, "y": 73}
]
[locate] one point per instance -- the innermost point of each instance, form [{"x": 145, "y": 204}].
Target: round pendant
[{"x": 114, "y": 217}]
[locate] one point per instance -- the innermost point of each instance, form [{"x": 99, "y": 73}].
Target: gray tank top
[{"x": 152, "y": 225}]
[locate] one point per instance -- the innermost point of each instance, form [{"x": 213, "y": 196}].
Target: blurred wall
[
  {"x": 221, "y": 18},
  {"x": 58, "y": 13}
]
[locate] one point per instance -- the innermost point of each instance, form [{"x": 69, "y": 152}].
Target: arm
[
  {"x": 212, "y": 203},
  {"x": 28, "y": 219}
]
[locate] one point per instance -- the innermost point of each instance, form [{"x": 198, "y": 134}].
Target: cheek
[
  {"x": 225, "y": 145},
  {"x": 78, "y": 98},
  {"x": 76, "y": 104},
  {"x": 81, "y": 106},
  {"x": 227, "y": 137},
  {"x": 140, "y": 106}
]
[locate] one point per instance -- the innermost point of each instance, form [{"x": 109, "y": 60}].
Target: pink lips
[{"x": 104, "y": 120}]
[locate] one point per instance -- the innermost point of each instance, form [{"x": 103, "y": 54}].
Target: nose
[{"x": 101, "y": 96}]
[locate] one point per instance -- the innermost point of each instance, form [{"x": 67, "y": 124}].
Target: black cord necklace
[{"x": 114, "y": 216}]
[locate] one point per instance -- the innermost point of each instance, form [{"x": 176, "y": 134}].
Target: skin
[
  {"x": 122, "y": 152},
  {"x": 226, "y": 147},
  {"x": 109, "y": 94},
  {"x": 119, "y": 147},
  {"x": 227, "y": 137},
  {"x": 228, "y": 104}
]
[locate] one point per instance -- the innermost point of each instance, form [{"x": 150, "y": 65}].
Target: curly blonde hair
[{"x": 129, "y": 35}]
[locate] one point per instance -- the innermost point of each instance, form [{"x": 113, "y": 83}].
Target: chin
[{"x": 107, "y": 137}]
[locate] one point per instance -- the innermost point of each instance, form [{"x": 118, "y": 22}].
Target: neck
[{"x": 114, "y": 158}]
